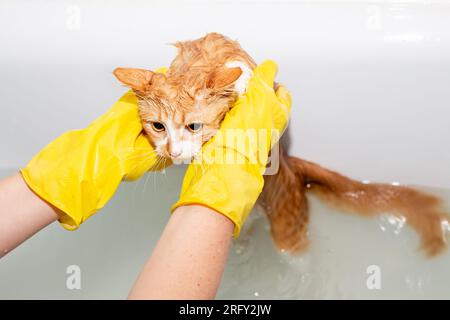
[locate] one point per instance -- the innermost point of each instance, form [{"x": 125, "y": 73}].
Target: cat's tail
[{"x": 285, "y": 192}]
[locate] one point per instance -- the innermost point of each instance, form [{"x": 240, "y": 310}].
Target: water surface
[{"x": 112, "y": 247}]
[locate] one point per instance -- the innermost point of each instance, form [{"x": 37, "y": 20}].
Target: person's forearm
[
  {"x": 189, "y": 259},
  {"x": 22, "y": 213}
]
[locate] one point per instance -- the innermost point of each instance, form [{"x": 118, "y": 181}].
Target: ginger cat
[{"x": 183, "y": 108}]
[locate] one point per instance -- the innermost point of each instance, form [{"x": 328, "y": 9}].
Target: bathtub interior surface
[
  {"x": 367, "y": 78},
  {"x": 112, "y": 247}
]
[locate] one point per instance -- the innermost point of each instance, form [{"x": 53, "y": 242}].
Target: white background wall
[{"x": 370, "y": 83}]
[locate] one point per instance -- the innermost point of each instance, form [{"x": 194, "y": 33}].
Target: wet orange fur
[
  {"x": 284, "y": 199},
  {"x": 198, "y": 69}
]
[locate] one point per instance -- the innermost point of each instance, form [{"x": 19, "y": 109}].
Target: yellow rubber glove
[
  {"x": 80, "y": 170},
  {"x": 228, "y": 177}
]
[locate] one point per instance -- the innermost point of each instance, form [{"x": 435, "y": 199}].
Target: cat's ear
[
  {"x": 223, "y": 77},
  {"x": 137, "y": 79}
]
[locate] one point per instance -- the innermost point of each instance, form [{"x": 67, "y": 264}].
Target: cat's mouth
[
  {"x": 181, "y": 159},
  {"x": 186, "y": 155}
]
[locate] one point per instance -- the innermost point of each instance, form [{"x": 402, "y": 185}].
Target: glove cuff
[{"x": 229, "y": 189}]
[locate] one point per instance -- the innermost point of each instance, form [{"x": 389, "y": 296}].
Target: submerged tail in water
[{"x": 285, "y": 203}]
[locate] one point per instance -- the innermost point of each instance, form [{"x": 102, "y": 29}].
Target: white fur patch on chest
[{"x": 241, "y": 84}]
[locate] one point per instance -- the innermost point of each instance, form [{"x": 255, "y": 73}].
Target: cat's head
[{"x": 180, "y": 112}]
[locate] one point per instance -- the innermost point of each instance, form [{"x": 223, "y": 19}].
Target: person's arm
[
  {"x": 22, "y": 213},
  {"x": 216, "y": 197},
  {"x": 75, "y": 175},
  {"x": 189, "y": 258}
]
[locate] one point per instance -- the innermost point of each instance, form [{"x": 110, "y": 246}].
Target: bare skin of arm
[
  {"x": 22, "y": 213},
  {"x": 189, "y": 258},
  {"x": 187, "y": 262}
]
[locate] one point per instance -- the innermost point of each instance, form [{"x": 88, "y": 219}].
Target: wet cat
[{"x": 183, "y": 108}]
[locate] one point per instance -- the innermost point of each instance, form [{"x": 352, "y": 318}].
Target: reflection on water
[
  {"x": 343, "y": 248},
  {"x": 112, "y": 247}
]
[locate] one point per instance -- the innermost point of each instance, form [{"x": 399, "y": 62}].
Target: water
[{"x": 112, "y": 247}]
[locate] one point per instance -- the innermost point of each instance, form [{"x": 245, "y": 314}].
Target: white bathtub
[{"x": 371, "y": 92}]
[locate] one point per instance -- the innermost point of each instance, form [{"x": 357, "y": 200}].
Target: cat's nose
[{"x": 175, "y": 149}]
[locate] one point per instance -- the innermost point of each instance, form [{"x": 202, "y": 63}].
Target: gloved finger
[
  {"x": 284, "y": 96},
  {"x": 162, "y": 70},
  {"x": 267, "y": 71},
  {"x": 282, "y": 111}
]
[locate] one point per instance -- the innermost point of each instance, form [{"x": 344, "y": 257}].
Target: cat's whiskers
[{"x": 145, "y": 183}]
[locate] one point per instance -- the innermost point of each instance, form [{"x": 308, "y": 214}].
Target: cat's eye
[
  {"x": 194, "y": 127},
  {"x": 157, "y": 126}
]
